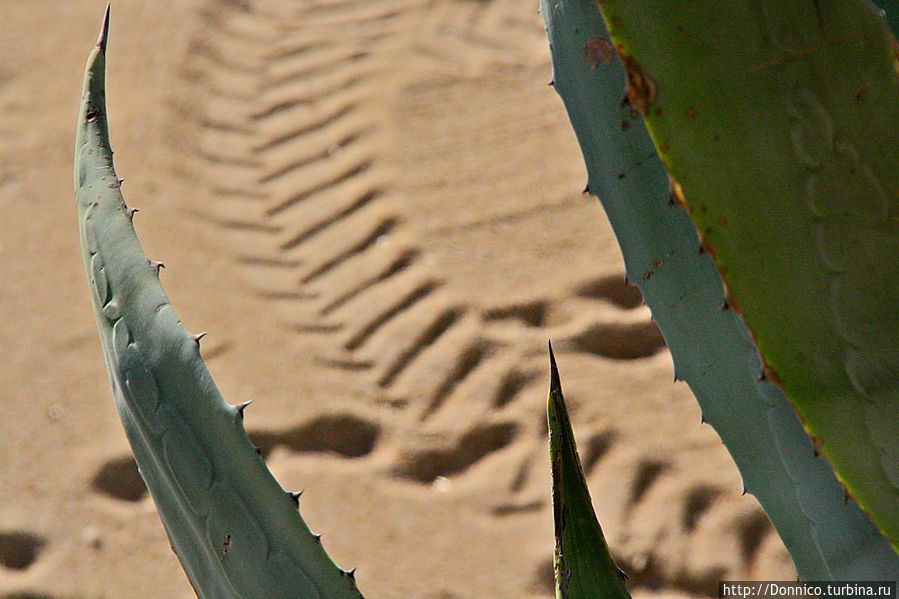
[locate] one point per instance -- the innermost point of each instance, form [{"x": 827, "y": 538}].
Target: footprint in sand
[{"x": 20, "y": 549}]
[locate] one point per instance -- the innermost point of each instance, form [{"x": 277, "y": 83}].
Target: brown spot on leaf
[
  {"x": 656, "y": 264},
  {"x": 772, "y": 376},
  {"x": 598, "y": 50},
  {"x": 641, "y": 89}
]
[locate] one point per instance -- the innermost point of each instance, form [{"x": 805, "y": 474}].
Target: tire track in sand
[{"x": 335, "y": 137}]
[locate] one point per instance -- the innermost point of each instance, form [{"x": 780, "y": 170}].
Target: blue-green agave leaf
[{"x": 235, "y": 530}]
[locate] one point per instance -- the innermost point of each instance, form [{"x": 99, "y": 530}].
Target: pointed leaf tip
[
  {"x": 104, "y": 30},
  {"x": 555, "y": 383},
  {"x": 583, "y": 565}
]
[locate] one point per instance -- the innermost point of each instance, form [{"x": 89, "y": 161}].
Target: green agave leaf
[
  {"x": 583, "y": 565},
  {"x": 785, "y": 148},
  {"x": 235, "y": 530},
  {"x": 711, "y": 347}
]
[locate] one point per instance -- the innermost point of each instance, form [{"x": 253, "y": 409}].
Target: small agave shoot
[{"x": 583, "y": 565}]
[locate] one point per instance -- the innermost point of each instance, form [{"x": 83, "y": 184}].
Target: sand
[{"x": 375, "y": 210}]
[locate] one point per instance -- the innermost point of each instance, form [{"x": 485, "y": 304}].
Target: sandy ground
[{"x": 375, "y": 210}]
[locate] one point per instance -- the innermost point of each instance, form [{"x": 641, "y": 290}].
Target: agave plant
[{"x": 779, "y": 152}]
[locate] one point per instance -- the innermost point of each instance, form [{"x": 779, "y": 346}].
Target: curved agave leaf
[
  {"x": 584, "y": 567},
  {"x": 711, "y": 347},
  {"x": 236, "y": 531},
  {"x": 785, "y": 149}
]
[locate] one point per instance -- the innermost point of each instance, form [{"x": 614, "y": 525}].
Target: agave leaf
[
  {"x": 235, "y": 530},
  {"x": 710, "y": 345},
  {"x": 784, "y": 148},
  {"x": 583, "y": 565}
]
